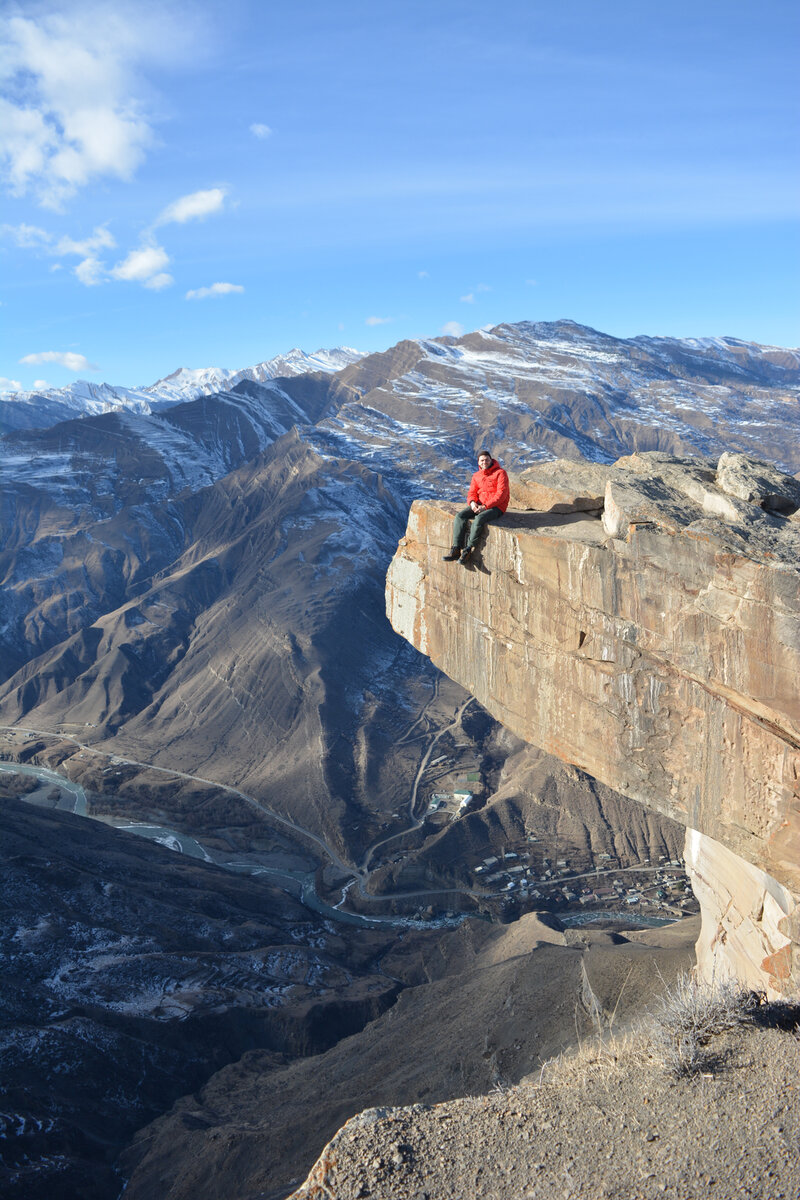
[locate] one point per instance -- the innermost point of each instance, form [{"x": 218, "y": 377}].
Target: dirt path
[{"x": 416, "y": 822}]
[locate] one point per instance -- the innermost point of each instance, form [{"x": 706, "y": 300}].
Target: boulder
[
  {"x": 758, "y": 483},
  {"x": 560, "y": 486}
]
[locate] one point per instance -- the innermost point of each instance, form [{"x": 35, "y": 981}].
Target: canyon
[{"x": 192, "y": 633}]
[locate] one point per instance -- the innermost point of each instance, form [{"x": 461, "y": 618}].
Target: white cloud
[
  {"x": 452, "y": 329},
  {"x": 28, "y": 237},
  {"x": 90, "y": 272},
  {"x": 157, "y": 282},
  {"x": 470, "y": 296},
  {"x": 72, "y": 111},
  {"x": 195, "y": 206},
  {"x": 99, "y": 239},
  {"x": 10, "y": 385},
  {"x": 40, "y": 385},
  {"x": 260, "y": 131},
  {"x": 142, "y": 265},
  {"x": 216, "y": 289},
  {"x": 379, "y": 320},
  {"x": 73, "y": 362}
]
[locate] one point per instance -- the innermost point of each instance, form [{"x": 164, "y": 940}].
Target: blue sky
[{"x": 206, "y": 183}]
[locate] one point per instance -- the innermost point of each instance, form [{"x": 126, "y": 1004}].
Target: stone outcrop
[
  {"x": 642, "y": 621},
  {"x": 607, "y": 1121}
]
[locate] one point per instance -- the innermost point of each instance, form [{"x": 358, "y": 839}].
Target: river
[{"x": 299, "y": 884}]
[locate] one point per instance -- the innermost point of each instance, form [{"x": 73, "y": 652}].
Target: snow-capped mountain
[
  {"x": 40, "y": 409},
  {"x": 298, "y": 362},
  {"x": 416, "y": 413},
  {"x": 557, "y": 389},
  {"x": 318, "y": 469},
  {"x": 186, "y": 383}
]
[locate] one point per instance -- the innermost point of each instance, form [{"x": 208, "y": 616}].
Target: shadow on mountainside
[{"x": 487, "y": 1006}]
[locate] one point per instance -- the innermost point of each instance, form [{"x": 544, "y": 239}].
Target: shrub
[{"x": 690, "y": 1014}]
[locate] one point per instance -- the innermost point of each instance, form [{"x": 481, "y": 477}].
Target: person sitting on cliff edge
[{"x": 487, "y": 500}]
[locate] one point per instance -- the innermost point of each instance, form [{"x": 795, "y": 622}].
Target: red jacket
[{"x": 490, "y": 487}]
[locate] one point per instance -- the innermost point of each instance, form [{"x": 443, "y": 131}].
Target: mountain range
[
  {"x": 38, "y": 409},
  {"x": 192, "y": 614},
  {"x": 201, "y": 587}
]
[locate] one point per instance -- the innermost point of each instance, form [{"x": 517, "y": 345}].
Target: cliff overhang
[{"x": 642, "y": 621}]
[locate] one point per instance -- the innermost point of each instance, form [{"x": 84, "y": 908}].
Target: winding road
[
  {"x": 357, "y": 876},
  {"x": 415, "y": 821},
  {"x": 300, "y": 885}
]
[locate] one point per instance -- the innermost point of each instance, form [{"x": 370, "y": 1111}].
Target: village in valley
[
  {"x": 531, "y": 873},
  {"x": 528, "y": 875}
]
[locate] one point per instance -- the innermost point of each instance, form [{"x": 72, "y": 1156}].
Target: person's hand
[{"x": 476, "y": 508}]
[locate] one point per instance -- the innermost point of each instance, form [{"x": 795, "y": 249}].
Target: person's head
[{"x": 485, "y": 460}]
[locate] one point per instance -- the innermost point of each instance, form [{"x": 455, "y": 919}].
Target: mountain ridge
[
  {"x": 127, "y": 536},
  {"x": 28, "y": 409},
  {"x": 192, "y": 630}
]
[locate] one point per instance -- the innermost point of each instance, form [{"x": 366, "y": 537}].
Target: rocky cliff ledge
[{"x": 642, "y": 621}]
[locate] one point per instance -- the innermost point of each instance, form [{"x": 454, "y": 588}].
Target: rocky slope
[
  {"x": 544, "y": 390},
  {"x": 610, "y": 1124},
  {"x": 653, "y": 638},
  {"x": 191, "y": 621},
  {"x": 130, "y": 974},
  {"x": 152, "y": 565},
  {"x": 485, "y": 1006},
  {"x": 200, "y": 967}
]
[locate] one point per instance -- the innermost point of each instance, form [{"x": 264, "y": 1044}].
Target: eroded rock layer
[{"x": 642, "y": 620}]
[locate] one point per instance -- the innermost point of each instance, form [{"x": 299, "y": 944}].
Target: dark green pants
[{"x": 474, "y": 522}]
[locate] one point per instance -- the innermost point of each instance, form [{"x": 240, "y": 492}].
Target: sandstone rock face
[
  {"x": 562, "y": 486},
  {"x": 656, "y": 645},
  {"x": 746, "y": 914}
]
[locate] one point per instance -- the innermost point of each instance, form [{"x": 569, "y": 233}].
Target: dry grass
[
  {"x": 676, "y": 1035},
  {"x": 689, "y": 1015},
  {"x": 680, "y": 1036},
  {"x": 598, "y": 1057}
]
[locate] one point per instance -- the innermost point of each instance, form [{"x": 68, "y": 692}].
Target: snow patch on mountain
[
  {"x": 187, "y": 383},
  {"x": 298, "y": 362}
]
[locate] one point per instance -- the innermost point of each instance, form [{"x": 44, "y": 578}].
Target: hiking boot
[
  {"x": 466, "y": 555},
  {"x": 453, "y": 555}
]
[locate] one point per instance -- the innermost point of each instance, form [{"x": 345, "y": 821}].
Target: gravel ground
[{"x": 608, "y": 1123}]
